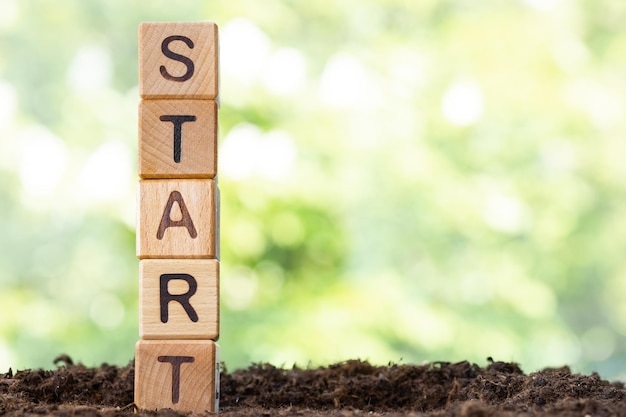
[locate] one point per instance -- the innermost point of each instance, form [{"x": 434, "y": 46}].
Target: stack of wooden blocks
[{"x": 176, "y": 358}]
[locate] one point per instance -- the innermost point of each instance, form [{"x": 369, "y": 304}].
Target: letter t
[
  {"x": 177, "y": 121},
  {"x": 176, "y": 362}
]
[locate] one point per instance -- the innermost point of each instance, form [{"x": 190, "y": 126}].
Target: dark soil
[{"x": 353, "y": 388}]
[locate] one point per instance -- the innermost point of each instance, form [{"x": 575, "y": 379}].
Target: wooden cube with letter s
[{"x": 178, "y": 60}]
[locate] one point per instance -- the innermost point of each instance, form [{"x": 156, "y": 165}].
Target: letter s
[{"x": 177, "y": 57}]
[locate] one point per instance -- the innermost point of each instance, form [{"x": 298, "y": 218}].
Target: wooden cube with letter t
[
  {"x": 177, "y": 139},
  {"x": 181, "y": 375}
]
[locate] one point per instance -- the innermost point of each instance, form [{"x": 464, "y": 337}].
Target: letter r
[{"x": 183, "y": 299}]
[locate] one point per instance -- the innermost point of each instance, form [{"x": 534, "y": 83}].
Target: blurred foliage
[{"x": 401, "y": 180}]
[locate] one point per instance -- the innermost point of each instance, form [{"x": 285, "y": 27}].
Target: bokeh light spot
[
  {"x": 90, "y": 70},
  {"x": 42, "y": 162},
  {"x": 463, "y": 103}
]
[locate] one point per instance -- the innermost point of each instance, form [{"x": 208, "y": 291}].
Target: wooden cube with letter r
[
  {"x": 181, "y": 375},
  {"x": 179, "y": 299}
]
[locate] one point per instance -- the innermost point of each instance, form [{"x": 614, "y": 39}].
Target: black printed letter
[
  {"x": 166, "y": 220},
  {"x": 183, "y": 299},
  {"x": 178, "y": 129},
  {"x": 176, "y": 362},
  {"x": 177, "y": 57}
]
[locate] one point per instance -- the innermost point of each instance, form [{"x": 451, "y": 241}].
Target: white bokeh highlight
[
  {"x": 42, "y": 161},
  {"x": 105, "y": 174},
  {"x": 463, "y": 103},
  {"x": 285, "y": 72},
  {"x": 346, "y": 83},
  {"x": 248, "y": 152},
  {"x": 91, "y": 70},
  {"x": 244, "y": 48}
]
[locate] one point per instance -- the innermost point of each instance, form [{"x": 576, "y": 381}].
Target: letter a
[{"x": 166, "y": 220}]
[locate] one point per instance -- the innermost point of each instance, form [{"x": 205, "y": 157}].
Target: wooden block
[
  {"x": 177, "y": 139},
  {"x": 176, "y": 219},
  {"x": 176, "y": 374},
  {"x": 179, "y": 299},
  {"x": 218, "y": 220},
  {"x": 178, "y": 60}
]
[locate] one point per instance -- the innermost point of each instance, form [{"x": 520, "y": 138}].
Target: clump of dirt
[{"x": 351, "y": 388}]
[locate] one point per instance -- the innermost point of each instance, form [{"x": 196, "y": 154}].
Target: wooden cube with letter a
[
  {"x": 177, "y": 139},
  {"x": 179, "y": 299},
  {"x": 181, "y": 375},
  {"x": 178, "y": 60},
  {"x": 177, "y": 219}
]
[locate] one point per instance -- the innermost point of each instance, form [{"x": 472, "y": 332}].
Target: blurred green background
[{"x": 401, "y": 181}]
